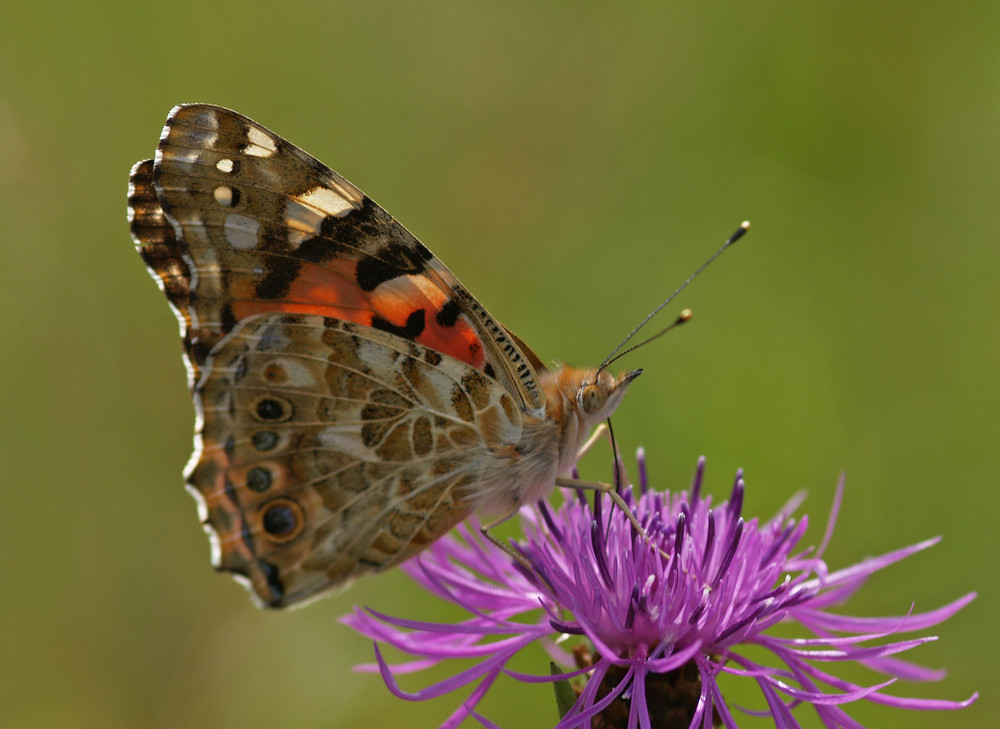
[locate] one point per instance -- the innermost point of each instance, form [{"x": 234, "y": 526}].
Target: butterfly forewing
[{"x": 269, "y": 227}]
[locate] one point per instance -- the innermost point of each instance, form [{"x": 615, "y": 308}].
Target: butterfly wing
[
  {"x": 333, "y": 461},
  {"x": 330, "y": 449},
  {"x": 234, "y": 221}
]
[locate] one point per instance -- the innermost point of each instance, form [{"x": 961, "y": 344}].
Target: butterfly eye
[{"x": 592, "y": 398}]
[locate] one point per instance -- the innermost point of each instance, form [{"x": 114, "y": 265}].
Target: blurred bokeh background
[{"x": 572, "y": 163}]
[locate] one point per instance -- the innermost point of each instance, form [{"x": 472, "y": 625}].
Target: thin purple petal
[{"x": 699, "y": 586}]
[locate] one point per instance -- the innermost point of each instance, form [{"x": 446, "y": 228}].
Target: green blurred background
[{"x": 572, "y": 163}]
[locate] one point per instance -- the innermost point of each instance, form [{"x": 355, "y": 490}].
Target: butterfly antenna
[
  {"x": 685, "y": 315},
  {"x": 682, "y": 318}
]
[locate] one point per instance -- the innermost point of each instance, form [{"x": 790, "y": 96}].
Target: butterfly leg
[
  {"x": 513, "y": 553},
  {"x": 510, "y": 551},
  {"x": 603, "y": 432},
  {"x": 600, "y": 432},
  {"x": 606, "y": 488}
]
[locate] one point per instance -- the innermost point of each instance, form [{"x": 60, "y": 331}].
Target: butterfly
[{"x": 354, "y": 401}]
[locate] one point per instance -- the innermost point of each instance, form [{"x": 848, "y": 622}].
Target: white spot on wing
[
  {"x": 223, "y": 195},
  {"x": 302, "y": 222},
  {"x": 298, "y": 374},
  {"x": 261, "y": 145},
  {"x": 241, "y": 231},
  {"x": 326, "y": 201},
  {"x": 304, "y": 214},
  {"x": 224, "y": 165},
  {"x": 178, "y": 155}
]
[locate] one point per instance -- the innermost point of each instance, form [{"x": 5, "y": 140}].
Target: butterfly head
[{"x": 600, "y": 393}]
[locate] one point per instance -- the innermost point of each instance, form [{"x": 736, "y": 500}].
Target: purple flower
[{"x": 659, "y": 618}]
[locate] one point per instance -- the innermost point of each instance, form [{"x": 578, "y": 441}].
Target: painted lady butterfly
[{"x": 354, "y": 401}]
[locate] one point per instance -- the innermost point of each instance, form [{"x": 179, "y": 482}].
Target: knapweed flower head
[{"x": 662, "y": 615}]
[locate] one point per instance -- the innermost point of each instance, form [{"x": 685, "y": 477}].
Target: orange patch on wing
[
  {"x": 397, "y": 299},
  {"x": 330, "y": 289},
  {"x": 324, "y": 290}
]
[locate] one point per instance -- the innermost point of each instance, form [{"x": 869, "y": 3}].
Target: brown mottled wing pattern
[
  {"x": 345, "y": 381},
  {"x": 330, "y": 449}
]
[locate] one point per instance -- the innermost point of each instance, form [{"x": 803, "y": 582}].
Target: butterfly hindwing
[{"x": 330, "y": 449}]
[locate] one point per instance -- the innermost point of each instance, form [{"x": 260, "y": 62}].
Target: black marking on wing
[
  {"x": 447, "y": 315},
  {"x": 278, "y": 281},
  {"x": 413, "y": 328},
  {"x": 273, "y": 576},
  {"x": 383, "y": 249},
  {"x": 394, "y": 253}
]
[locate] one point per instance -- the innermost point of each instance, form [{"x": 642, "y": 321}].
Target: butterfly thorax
[{"x": 549, "y": 446}]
